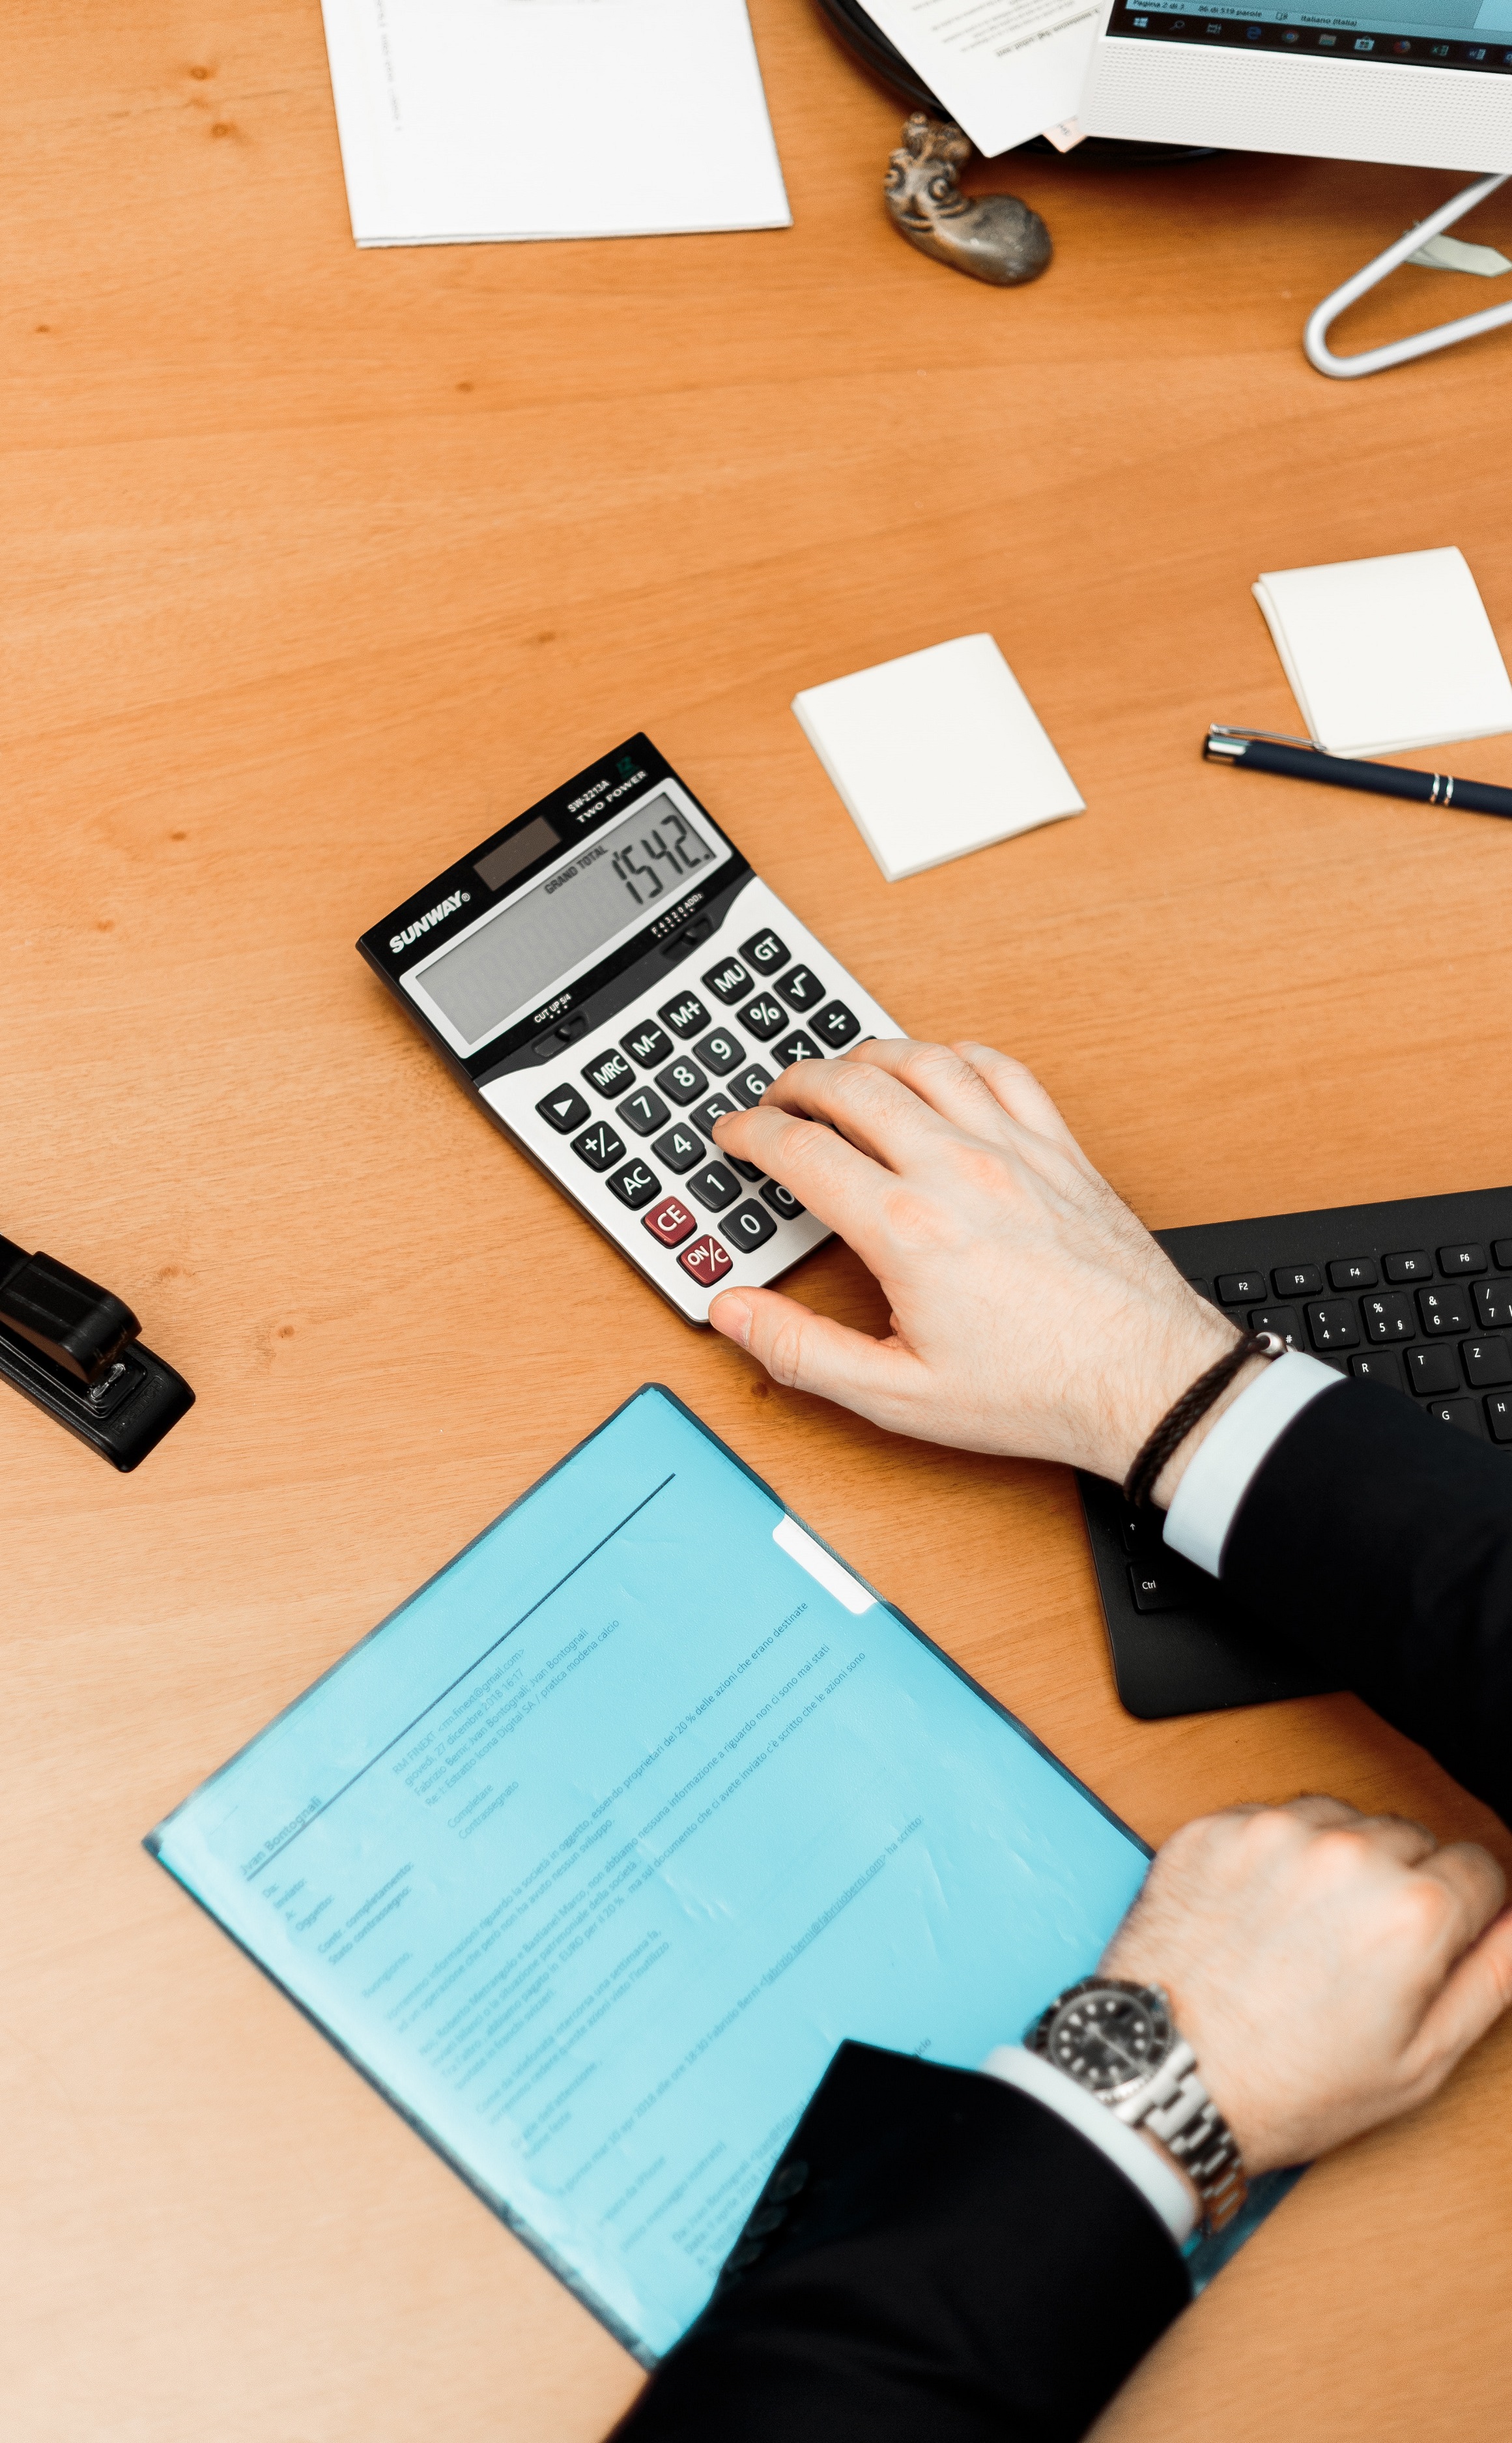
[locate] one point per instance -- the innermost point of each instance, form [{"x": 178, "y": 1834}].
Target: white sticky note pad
[
  {"x": 936, "y": 754},
  {"x": 1388, "y": 653}
]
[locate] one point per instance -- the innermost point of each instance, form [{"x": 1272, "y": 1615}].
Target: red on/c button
[
  {"x": 669, "y": 1221},
  {"x": 707, "y": 1260}
]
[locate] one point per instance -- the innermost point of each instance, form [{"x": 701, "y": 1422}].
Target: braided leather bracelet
[{"x": 1178, "y": 1420}]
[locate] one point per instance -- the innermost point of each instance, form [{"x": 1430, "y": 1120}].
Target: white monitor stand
[
  {"x": 1422, "y": 343},
  {"x": 1427, "y": 83}
]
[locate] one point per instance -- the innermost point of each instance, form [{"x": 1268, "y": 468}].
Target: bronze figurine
[{"x": 993, "y": 237}]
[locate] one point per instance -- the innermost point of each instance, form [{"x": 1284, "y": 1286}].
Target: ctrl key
[
  {"x": 707, "y": 1260},
  {"x": 1157, "y": 1586}
]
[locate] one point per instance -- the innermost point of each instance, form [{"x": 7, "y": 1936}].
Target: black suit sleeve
[
  {"x": 936, "y": 2259},
  {"x": 1381, "y": 1543}
]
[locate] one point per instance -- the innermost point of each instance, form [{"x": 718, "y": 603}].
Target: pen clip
[{"x": 1221, "y": 732}]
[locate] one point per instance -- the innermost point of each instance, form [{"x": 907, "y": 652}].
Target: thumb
[
  {"x": 1473, "y": 1998},
  {"x": 809, "y": 1352}
]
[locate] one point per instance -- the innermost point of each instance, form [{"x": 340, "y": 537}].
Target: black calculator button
[
  {"x": 1237, "y": 1289},
  {"x": 642, "y": 1112},
  {"x": 763, "y": 1018},
  {"x": 719, "y": 1052},
  {"x": 715, "y": 1187},
  {"x": 685, "y": 1081},
  {"x": 796, "y": 1047},
  {"x": 1499, "y": 1417},
  {"x": 1485, "y": 1362},
  {"x": 1382, "y": 1365},
  {"x": 635, "y": 1185},
  {"x": 1353, "y": 1273},
  {"x": 680, "y": 1149},
  {"x": 750, "y": 1170},
  {"x": 801, "y": 989},
  {"x": 648, "y": 1044},
  {"x": 1458, "y": 1263},
  {"x": 1298, "y": 1280},
  {"x": 766, "y": 952},
  {"x": 685, "y": 1016},
  {"x": 717, "y": 1108},
  {"x": 1493, "y": 1304},
  {"x": 728, "y": 981},
  {"x": 1445, "y": 1309},
  {"x": 1283, "y": 1321},
  {"x": 836, "y": 1025},
  {"x": 751, "y": 1084},
  {"x": 750, "y": 1225},
  {"x": 563, "y": 1111},
  {"x": 599, "y": 1147},
  {"x": 782, "y": 1201},
  {"x": 1417, "y": 1265},
  {"x": 1389, "y": 1315},
  {"x": 1464, "y": 1413},
  {"x": 610, "y": 1073},
  {"x": 1333, "y": 1323},
  {"x": 1432, "y": 1370}
]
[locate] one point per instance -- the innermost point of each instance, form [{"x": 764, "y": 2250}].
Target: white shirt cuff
[
  {"x": 1223, "y": 1467},
  {"x": 1163, "y": 2190}
]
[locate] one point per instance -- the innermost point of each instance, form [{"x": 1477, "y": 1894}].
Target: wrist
[
  {"x": 1163, "y": 1491},
  {"x": 1148, "y": 2138},
  {"x": 1179, "y": 1343}
]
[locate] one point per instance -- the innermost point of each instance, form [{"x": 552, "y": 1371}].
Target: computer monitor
[{"x": 1424, "y": 81}]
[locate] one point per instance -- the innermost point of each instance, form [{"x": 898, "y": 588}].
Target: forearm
[
  {"x": 959, "y": 2263},
  {"x": 1382, "y": 1545}
]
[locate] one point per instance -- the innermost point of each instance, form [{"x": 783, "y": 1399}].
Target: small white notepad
[
  {"x": 541, "y": 118},
  {"x": 936, "y": 754},
  {"x": 1388, "y": 653}
]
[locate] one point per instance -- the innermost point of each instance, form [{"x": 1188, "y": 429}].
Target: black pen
[{"x": 1262, "y": 750}]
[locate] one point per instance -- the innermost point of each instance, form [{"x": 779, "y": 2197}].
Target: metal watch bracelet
[{"x": 1175, "y": 2106}]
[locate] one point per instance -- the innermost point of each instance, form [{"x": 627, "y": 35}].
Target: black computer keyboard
[{"x": 1416, "y": 1295}]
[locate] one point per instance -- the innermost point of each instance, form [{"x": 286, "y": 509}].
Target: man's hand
[
  {"x": 1032, "y": 1314},
  {"x": 1328, "y": 1969}
]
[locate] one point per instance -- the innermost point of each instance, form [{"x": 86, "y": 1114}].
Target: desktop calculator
[{"x": 608, "y": 976}]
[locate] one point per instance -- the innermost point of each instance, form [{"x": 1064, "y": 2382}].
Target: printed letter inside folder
[{"x": 594, "y": 1852}]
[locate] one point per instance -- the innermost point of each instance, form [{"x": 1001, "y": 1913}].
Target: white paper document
[
  {"x": 536, "y": 119},
  {"x": 1005, "y": 70},
  {"x": 936, "y": 754},
  {"x": 1384, "y": 654}
]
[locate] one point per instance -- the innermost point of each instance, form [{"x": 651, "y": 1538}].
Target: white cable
[{"x": 1422, "y": 343}]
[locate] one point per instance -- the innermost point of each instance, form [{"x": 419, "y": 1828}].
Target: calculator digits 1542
[{"x": 607, "y": 975}]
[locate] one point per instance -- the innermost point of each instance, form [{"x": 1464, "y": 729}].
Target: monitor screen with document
[{"x": 1427, "y": 82}]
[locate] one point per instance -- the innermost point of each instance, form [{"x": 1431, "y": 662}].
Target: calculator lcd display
[{"x": 559, "y": 924}]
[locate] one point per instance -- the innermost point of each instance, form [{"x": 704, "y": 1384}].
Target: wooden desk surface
[{"x": 318, "y": 565}]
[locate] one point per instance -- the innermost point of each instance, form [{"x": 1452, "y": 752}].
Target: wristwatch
[{"x": 1119, "y": 2042}]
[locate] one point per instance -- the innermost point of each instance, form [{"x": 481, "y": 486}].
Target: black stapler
[{"x": 73, "y": 1348}]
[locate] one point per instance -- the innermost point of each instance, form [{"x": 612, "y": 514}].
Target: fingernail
[{"x": 731, "y": 1316}]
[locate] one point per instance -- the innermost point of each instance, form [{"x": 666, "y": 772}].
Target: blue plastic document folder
[{"x": 593, "y": 1853}]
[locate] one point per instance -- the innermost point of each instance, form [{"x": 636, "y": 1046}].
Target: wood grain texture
[{"x": 318, "y": 565}]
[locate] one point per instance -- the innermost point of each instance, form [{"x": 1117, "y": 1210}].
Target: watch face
[{"x": 1109, "y": 2037}]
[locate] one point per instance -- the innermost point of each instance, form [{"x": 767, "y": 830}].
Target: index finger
[{"x": 841, "y": 1186}]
